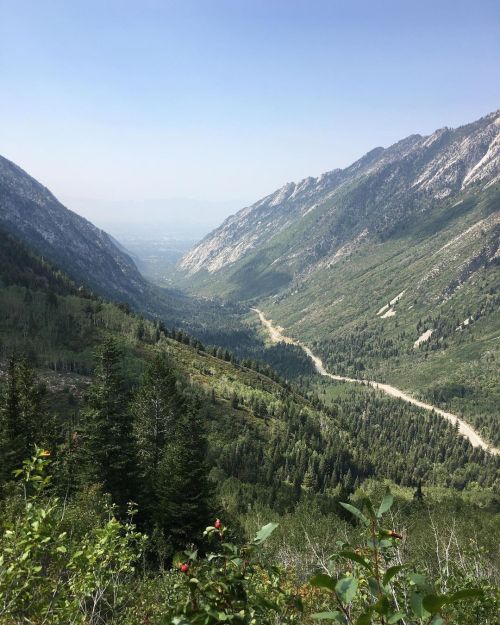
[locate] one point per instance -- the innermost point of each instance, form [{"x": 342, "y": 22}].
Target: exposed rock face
[
  {"x": 88, "y": 255},
  {"x": 337, "y": 210}
]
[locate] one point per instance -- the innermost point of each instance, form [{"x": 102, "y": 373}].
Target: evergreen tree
[
  {"x": 234, "y": 401},
  {"x": 23, "y": 421},
  {"x": 183, "y": 491},
  {"x": 106, "y": 449},
  {"x": 418, "y": 495},
  {"x": 154, "y": 408},
  {"x": 12, "y": 445}
]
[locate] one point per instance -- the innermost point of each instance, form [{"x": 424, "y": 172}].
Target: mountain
[
  {"x": 89, "y": 255},
  {"x": 387, "y": 269},
  {"x": 305, "y": 226},
  {"x": 95, "y": 260}
]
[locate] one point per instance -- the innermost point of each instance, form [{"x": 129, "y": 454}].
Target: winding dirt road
[{"x": 277, "y": 336}]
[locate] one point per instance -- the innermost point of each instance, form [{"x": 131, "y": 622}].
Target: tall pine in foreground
[
  {"x": 107, "y": 449},
  {"x": 155, "y": 409},
  {"x": 182, "y": 489}
]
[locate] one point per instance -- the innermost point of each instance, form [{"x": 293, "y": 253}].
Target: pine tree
[
  {"x": 155, "y": 407},
  {"x": 418, "y": 495},
  {"x": 182, "y": 489},
  {"x": 234, "y": 401},
  {"x": 23, "y": 421},
  {"x": 106, "y": 449},
  {"x": 12, "y": 446}
]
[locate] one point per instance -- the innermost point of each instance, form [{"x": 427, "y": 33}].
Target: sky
[{"x": 120, "y": 106}]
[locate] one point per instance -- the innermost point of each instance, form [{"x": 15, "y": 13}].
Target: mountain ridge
[{"x": 439, "y": 165}]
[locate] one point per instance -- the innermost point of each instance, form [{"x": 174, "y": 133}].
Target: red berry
[
  {"x": 217, "y": 524},
  {"x": 184, "y": 568}
]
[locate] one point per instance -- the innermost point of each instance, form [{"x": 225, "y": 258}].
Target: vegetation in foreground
[{"x": 60, "y": 564}]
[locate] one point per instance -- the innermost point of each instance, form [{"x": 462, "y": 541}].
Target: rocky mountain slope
[
  {"x": 89, "y": 255},
  {"x": 308, "y": 225},
  {"x": 94, "y": 260}
]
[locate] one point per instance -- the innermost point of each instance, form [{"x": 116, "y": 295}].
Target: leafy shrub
[
  {"x": 232, "y": 585},
  {"x": 45, "y": 575},
  {"x": 376, "y": 588}
]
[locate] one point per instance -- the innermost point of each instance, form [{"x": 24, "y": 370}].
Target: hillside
[
  {"x": 388, "y": 269},
  {"x": 257, "y": 423}
]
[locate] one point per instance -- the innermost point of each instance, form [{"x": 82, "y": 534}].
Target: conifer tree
[
  {"x": 11, "y": 435},
  {"x": 106, "y": 449},
  {"x": 23, "y": 421},
  {"x": 155, "y": 407},
  {"x": 183, "y": 491}
]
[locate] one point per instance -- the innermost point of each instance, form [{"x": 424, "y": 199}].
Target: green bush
[{"x": 48, "y": 577}]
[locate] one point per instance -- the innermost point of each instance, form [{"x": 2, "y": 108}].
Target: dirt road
[{"x": 277, "y": 336}]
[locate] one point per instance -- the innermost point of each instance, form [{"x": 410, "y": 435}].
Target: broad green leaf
[
  {"x": 179, "y": 558},
  {"x": 328, "y": 616},
  {"x": 382, "y": 606},
  {"x": 346, "y": 588},
  {"x": 419, "y": 580},
  {"x": 386, "y": 504},
  {"x": 323, "y": 581},
  {"x": 416, "y": 600},
  {"x": 264, "y": 533},
  {"x": 373, "y": 586},
  {"x": 467, "y": 593},
  {"x": 433, "y": 603},
  {"x": 357, "y": 513},
  {"x": 391, "y": 572},
  {"x": 437, "y": 620},
  {"x": 356, "y": 558},
  {"x": 369, "y": 507}
]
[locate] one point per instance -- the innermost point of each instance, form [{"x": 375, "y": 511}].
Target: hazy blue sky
[{"x": 229, "y": 99}]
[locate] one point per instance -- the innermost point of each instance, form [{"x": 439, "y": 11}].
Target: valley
[
  {"x": 131, "y": 378},
  {"x": 276, "y": 335}
]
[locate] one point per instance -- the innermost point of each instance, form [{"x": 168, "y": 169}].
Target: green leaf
[
  {"x": 382, "y": 606},
  {"x": 365, "y": 618},
  {"x": 323, "y": 581},
  {"x": 467, "y": 593},
  {"x": 346, "y": 588},
  {"x": 357, "y": 513},
  {"x": 264, "y": 533},
  {"x": 416, "y": 602},
  {"x": 356, "y": 558},
  {"x": 437, "y": 620},
  {"x": 179, "y": 558},
  {"x": 373, "y": 586},
  {"x": 386, "y": 504},
  {"x": 391, "y": 572},
  {"x": 328, "y": 616},
  {"x": 433, "y": 603},
  {"x": 419, "y": 580}
]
